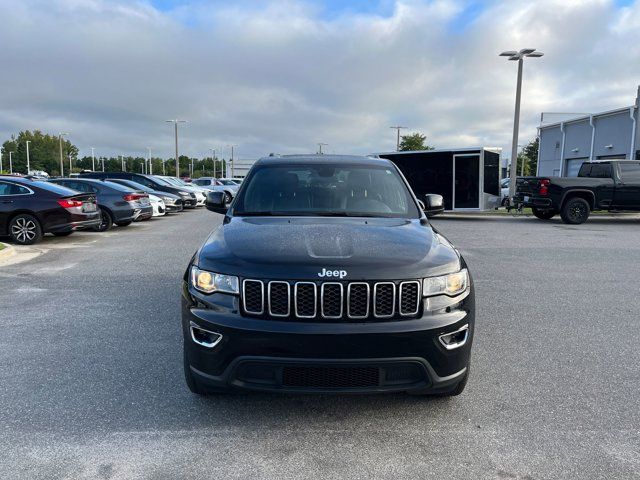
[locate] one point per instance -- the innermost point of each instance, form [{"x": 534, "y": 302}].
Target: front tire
[
  {"x": 575, "y": 211},
  {"x": 227, "y": 197},
  {"x": 543, "y": 214},
  {"x": 25, "y": 229}
]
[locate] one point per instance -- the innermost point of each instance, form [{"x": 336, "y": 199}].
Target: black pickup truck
[{"x": 613, "y": 186}]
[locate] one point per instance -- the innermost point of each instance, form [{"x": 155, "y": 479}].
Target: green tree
[
  {"x": 529, "y": 155},
  {"x": 415, "y": 141},
  {"x": 44, "y": 152}
]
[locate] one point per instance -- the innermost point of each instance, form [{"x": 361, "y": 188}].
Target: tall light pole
[
  {"x": 103, "y": 164},
  {"x": 519, "y": 56},
  {"x": 1, "y": 152},
  {"x": 320, "y": 145},
  {"x": 149, "y": 158},
  {"x": 93, "y": 160},
  {"x": 122, "y": 164},
  {"x": 28, "y": 165},
  {"x": 10, "y": 163},
  {"x": 397, "y": 129},
  {"x": 175, "y": 125},
  {"x": 213, "y": 159},
  {"x": 60, "y": 134},
  {"x": 232, "y": 147},
  {"x": 69, "y": 155}
]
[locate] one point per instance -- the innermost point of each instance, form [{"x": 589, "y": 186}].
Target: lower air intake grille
[{"x": 331, "y": 377}]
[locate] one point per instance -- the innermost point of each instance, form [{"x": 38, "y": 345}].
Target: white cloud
[{"x": 279, "y": 76}]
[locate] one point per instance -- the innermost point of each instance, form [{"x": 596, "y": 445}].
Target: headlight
[
  {"x": 209, "y": 282},
  {"x": 452, "y": 284}
]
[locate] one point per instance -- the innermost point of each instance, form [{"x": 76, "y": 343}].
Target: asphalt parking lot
[{"x": 92, "y": 385}]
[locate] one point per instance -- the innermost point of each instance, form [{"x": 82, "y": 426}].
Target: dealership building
[{"x": 609, "y": 135}]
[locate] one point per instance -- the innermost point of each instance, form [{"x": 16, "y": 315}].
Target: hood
[{"x": 300, "y": 248}]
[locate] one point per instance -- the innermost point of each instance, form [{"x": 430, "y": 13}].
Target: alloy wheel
[{"x": 24, "y": 230}]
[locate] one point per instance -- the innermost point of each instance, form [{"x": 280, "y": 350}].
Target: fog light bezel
[
  {"x": 454, "y": 345},
  {"x": 205, "y": 344}
]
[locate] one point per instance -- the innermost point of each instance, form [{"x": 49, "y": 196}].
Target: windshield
[
  {"x": 326, "y": 189},
  {"x": 227, "y": 182}
]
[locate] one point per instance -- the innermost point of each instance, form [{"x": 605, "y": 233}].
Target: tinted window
[
  {"x": 118, "y": 187},
  {"x": 327, "y": 189},
  {"x": 13, "y": 189},
  {"x": 202, "y": 181},
  {"x": 227, "y": 182},
  {"x": 600, "y": 171},
  {"x": 630, "y": 172},
  {"x": 130, "y": 184},
  {"x": 52, "y": 187}
]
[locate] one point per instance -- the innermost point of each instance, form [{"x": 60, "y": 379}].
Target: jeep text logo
[{"x": 332, "y": 273}]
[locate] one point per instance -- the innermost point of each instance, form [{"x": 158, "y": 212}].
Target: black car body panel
[
  {"x": 111, "y": 197},
  {"x": 188, "y": 198},
  {"x": 303, "y": 246},
  {"x": 305, "y": 348},
  {"x": 41, "y": 201}
]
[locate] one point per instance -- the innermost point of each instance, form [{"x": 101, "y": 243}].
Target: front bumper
[{"x": 296, "y": 356}]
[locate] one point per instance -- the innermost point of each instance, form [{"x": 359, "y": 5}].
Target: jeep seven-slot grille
[{"x": 331, "y": 300}]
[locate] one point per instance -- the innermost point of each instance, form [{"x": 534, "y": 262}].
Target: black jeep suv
[{"x": 326, "y": 276}]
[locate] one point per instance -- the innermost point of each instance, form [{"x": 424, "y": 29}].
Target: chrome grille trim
[
  {"x": 315, "y": 299},
  {"x": 393, "y": 303},
  {"x": 244, "y": 297},
  {"x": 349, "y": 299},
  {"x": 275, "y": 282},
  {"x": 418, "y": 298},
  {"x": 322, "y": 300}
]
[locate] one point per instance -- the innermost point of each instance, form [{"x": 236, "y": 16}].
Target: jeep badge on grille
[{"x": 332, "y": 273}]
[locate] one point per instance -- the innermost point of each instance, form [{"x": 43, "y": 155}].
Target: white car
[
  {"x": 225, "y": 185},
  {"x": 201, "y": 193},
  {"x": 159, "y": 208}
]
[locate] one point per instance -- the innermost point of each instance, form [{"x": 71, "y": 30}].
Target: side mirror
[
  {"x": 434, "y": 204},
  {"x": 215, "y": 202}
]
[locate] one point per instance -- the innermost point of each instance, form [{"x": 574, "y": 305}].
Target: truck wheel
[
  {"x": 575, "y": 211},
  {"x": 543, "y": 214}
]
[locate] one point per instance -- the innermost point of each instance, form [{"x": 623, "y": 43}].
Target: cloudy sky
[{"x": 280, "y": 76}]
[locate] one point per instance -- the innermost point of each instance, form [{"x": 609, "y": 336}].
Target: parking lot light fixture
[
  {"x": 232, "y": 147},
  {"x": 28, "y": 165},
  {"x": 398, "y": 128},
  {"x": 10, "y": 163},
  {"x": 519, "y": 57},
  {"x": 1, "y": 152},
  {"x": 60, "y": 135},
  {"x": 320, "y": 145},
  {"x": 93, "y": 160},
  {"x": 175, "y": 125},
  {"x": 150, "y": 171}
]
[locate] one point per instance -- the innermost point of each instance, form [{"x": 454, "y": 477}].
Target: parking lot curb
[{"x": 7, "y": 251}]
